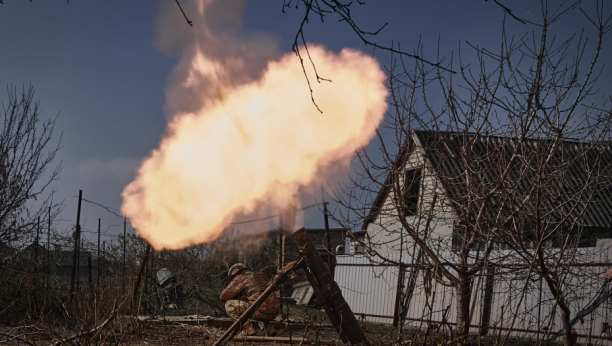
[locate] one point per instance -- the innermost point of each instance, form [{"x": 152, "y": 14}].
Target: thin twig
[{"x": 184, "y": 15}]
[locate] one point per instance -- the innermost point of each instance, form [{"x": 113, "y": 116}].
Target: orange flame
[{"x": 254, "y": 143}]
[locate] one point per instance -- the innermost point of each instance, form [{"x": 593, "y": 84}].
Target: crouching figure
[{"x": 242, "y": 291}]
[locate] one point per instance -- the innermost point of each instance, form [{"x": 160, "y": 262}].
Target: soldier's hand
[{"x": 609, "y": 274}]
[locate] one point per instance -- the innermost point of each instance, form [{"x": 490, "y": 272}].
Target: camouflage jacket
[{"x": 248, "y": 287}]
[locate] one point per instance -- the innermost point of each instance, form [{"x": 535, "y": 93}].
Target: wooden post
[
  {"x": 145, "y": 284},
  {"x": 280, "y": 240},
  {"x": 49, "y": 247},
  {"x": 37, "y": 237},
  {"x": 78, "y": 275},
  {"x": 77, "y": 236},
  {"x": 104, "y": 258},
  {"x": 330, "y": 256},
  {"x": 90, "y": 279},
  {"x": 98, "y": 259},
  {"x": 143, "y": 266},
  {"x": 280, "y": 252},
  {"x": 124, "y": 244}
]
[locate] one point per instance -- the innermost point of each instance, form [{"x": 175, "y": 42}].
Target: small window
[{"x": 412, "y": 185}]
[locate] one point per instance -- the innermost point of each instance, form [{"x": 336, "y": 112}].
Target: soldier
[{"x": 242, "y": 291}]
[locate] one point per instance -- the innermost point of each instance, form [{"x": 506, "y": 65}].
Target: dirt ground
[{"x": 307, "y": 326}]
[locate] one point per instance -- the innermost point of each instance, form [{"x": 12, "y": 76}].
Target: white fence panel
[
  {"x": 368, "y": 288},
  {"x": 519, "y": 302}
]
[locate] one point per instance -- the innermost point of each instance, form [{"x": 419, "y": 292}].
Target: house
[
  {"x": 435, "y": 187},
  {"x": 32, "y": 251},
  {"x": 62, "y": 262},
  {"x": 431, "y": 187}
]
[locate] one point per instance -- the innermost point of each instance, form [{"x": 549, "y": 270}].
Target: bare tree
[
  {"x": 513, "y": 153},
  {"x": 26, "y": 153}
]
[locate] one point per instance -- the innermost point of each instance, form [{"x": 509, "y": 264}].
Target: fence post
[
  {"x": 76, "y": 245},
  {"x": 280, "y": 252},
  {"x": 124, "y": 244},
  {"x": 78, "y": 273},
  {"x": 330, "y": 257},
  {"x": 98, "y": 260},
  {"x": 49, "y": 248},
  {"x": 37, "y": 239},
  {"x": 104, "y": 253},
  {"x": 90, "y": 278},
  {"x": 487, "y": 301},
  {"x": 143, "y": 267}
]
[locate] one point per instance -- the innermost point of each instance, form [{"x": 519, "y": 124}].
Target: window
[{"x": 412, "y": 184}]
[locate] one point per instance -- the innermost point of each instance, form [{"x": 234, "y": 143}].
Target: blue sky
[{"x": 95, "y": 64}]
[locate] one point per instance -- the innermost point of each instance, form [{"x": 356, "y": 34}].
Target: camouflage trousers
[{"x": 235, "y": 308}]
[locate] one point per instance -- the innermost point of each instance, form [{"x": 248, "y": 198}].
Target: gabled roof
[
  {"x": 576, "y": 159},
  {"x": 32, "y": 245}
]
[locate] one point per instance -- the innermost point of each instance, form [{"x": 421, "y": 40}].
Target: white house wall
[{"x": 384, "y": 230}]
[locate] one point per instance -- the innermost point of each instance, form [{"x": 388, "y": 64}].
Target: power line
[
  {"x": 112, "y": 211},
  {"x": 273, "y": 216},
  {"x": 109, "y": 209}
]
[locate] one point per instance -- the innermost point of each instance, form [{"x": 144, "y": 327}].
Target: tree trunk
[
  {"x": 567, "y": 328},
  {"x": 464, "y": 291}
]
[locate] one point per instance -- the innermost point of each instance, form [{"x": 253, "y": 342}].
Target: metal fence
[{"x": 520, "y": 301}]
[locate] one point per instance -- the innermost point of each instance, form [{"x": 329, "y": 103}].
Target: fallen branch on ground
[{"x": 16, "y": 337}]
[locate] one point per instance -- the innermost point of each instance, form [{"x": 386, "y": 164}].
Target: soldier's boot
[
  {"x": 248, "y": 329},
  {"x": 271, "y": 330}
]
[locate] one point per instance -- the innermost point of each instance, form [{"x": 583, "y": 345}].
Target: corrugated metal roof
[
  {"x": 568, "y": 168},
  {"x": 468, "y": 163}
]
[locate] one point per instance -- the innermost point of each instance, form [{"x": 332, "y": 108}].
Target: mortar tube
[{"x": 328, "y": 292}]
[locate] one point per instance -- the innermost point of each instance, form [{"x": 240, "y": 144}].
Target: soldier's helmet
[{"x": 235, "y": 269}]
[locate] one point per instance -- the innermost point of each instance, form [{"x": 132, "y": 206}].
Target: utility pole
[{"x": 77, "y": 236}]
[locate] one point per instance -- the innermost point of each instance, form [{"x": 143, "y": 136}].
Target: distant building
[{"x": 32, "y": 251}]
